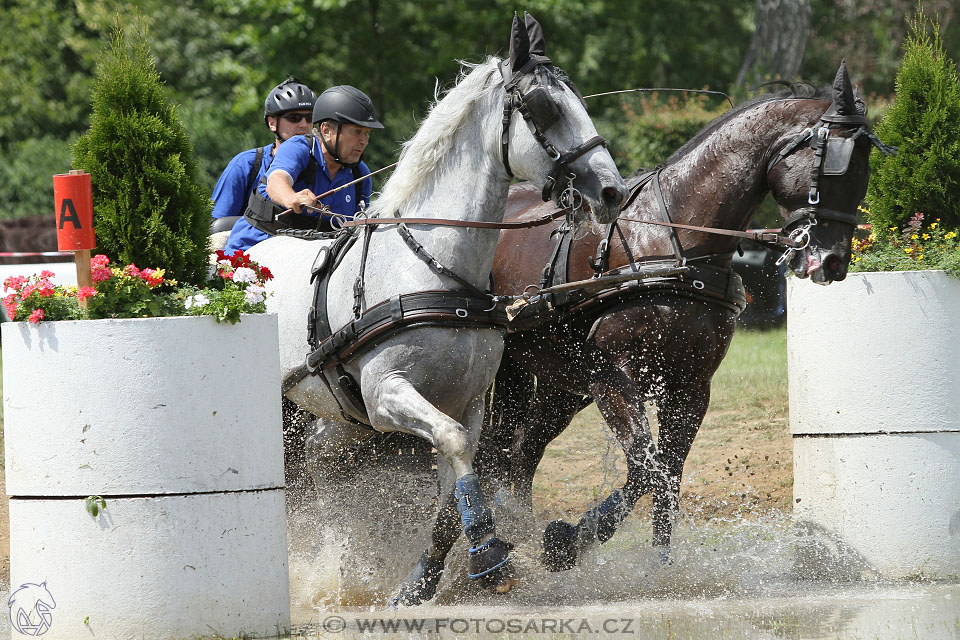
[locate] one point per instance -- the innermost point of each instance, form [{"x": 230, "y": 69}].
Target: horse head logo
[{"x": 30, "y": 607}]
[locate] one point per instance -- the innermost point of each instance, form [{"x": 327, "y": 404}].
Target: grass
[{"x": 741, "y": 460}]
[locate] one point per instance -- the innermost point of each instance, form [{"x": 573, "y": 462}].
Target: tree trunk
[{"x": 778, "y": 43}]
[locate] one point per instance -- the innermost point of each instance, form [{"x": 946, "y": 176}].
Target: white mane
[{"x": 427, "y": 150}]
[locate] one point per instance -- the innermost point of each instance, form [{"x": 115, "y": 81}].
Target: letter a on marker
[{"x": 70, "y": 216}]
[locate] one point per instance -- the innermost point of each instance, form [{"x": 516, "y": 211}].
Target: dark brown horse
[{"x": 664, "y": 338}]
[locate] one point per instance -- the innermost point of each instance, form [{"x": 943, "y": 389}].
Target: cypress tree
[
  {"x": 149, "y": 208},
  {"x": 924, "y": 122}
]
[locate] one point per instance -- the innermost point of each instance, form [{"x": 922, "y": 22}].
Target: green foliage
[
  {"x": 94, "y": 505},
  {"x": 924, "y": 122},
  {"x": 650, "y": 129},
  {"x": 148, "y": 206},
  {"x": 27, "y": 173}
]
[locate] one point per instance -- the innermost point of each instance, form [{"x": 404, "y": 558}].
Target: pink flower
[
  {"x": 86, "y": 292},
  {"x": 10, "y": 303},
  {"x": 46, "y": 289},
  {"x": 27, "y": 290},
  {"x": 99, "y": 261},
  {"x": 47, "y": 274},
  {"x": 14, "y": 282},
  {"x": 101, "y": 274},
  {"x": 36, "y": 316},
  {"x": 132, "y": 270}
]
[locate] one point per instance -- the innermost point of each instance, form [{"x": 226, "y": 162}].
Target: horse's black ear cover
[
  {"x": 843, "y": 97},
  {"x": 534, "y": 35},
  {"x": 519, "y": 44}
]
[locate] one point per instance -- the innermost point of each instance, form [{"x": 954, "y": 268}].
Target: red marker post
[{"x": 73, "y": 198}]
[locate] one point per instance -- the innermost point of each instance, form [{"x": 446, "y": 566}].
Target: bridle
[
  {"x": 831, "y": 157},
  {"x": 524, "y": 93}
]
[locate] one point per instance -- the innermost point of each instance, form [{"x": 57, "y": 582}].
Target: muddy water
[{"x": 764, "y": 578}]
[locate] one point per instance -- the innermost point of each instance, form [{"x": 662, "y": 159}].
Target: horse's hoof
[
  {"x": 560, "y": 546},
  {"x": 420, "y": 585},
  {"x": 490, "y": 564}
]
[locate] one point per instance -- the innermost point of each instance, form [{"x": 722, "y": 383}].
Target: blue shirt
[
  {"x": 292, "y": 157},
  {"x": 232, "y": 190}
]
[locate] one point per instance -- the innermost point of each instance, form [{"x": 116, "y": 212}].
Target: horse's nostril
[
  {"x": 832, "y": 263},
  {"x": 612, "y": 197}
]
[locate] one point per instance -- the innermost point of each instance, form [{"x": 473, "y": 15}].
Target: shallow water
[{"x": 762, "y": 578}]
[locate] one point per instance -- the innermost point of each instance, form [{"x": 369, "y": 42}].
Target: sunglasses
[{"x": 296, "y": 117}]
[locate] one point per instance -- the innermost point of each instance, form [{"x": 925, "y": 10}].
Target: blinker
[
  {"x": 836, "y": 160},
  {"x": 543, "y": 110}
]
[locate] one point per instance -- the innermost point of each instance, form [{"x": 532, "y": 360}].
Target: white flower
[
  {"x": 225, "y": 263},
  {"x": 198, "y": 300},
  {"x": 245, "y": 274},
  {"x": 254, "y": 294}
]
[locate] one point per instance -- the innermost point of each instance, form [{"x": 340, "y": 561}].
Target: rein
[{"x": 340, "y": 222}]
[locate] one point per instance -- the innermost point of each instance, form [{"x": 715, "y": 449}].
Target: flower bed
[{"x": 236, "y": 287}]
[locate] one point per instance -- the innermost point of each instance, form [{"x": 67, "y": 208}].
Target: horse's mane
[
  {"x": 799, "y": 90},
  {"x": 432, "y": 143}
]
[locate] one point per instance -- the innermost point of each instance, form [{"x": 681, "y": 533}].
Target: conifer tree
[
  {"x": 149, "y": 208},
  {"x": 924, "y": 122}
]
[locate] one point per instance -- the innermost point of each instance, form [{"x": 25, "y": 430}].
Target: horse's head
[
  {"x": 819, "y": 177},
  {"x": 555, "y": 145}
]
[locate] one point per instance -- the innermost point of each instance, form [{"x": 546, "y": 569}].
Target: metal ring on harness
[
  {"x": 461, "y": 313},
  {"x": 698, "y": 284}
]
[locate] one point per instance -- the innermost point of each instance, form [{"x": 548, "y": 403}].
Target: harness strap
[
  {"x": 444, "y": 308},
  {"x": 358, "y": 283},
  {"x": 665, "y": 215},
  {"x": 421, "y": 252}
]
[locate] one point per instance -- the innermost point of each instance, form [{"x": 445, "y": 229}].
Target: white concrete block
[
  {"x": 141, "y": 406},
  {"x": 156, "y": 568}
]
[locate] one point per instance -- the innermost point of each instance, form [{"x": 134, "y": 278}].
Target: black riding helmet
[
  {"x": 289, "y": 95},
  {"x": 344, "y": 104}
]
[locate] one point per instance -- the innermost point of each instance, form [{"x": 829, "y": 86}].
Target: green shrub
[
  {"x": 924, "y": 122},
  {"x": 148, "y": 206},
  {"x": 646, "y": 136}
]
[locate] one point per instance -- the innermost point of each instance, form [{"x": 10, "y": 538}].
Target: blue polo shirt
[
  {"x": 292, "y": 157},
  {"x": 232, "y": 190}
]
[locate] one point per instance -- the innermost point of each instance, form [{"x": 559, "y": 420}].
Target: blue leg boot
[
  {"x": 563, "y": 542},
  {"x": 420, "y": 585},
  {"x": 489, "y": 559}
]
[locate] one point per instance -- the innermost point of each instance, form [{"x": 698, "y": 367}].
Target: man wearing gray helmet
[
  {"x": 287, "y": 111},
  {"x": 310, "y": 165}
]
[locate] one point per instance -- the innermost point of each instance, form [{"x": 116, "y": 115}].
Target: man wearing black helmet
[
  {"x": 287, "y": 112},
  {"x": 311, "y": 165}
]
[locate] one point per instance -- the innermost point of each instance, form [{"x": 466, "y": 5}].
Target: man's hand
[{"x": 296, "y": 200}]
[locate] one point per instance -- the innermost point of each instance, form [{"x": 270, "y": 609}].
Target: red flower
[
  {"x": 27, "y": 290},
  {"x": 47, "y": 274},
  {"x": 152, "y": 277},
  {"x": 132, "y": 270},
  {"x": 101, "y": 274},
  {"x": 46, "y": 289},
  {"x": 265, "y": 273},
  {"x": 86, "y": 292},
  {"x": 99, "y": 261},
  {"x": 36, "y": 316}
]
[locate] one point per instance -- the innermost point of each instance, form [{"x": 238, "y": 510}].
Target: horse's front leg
[
  {"x": 680, "y": 412},
  {"x": 621, "y": 403},
  {"x": 397, "y": 405}
]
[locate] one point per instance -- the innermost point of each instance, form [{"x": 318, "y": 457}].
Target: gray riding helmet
[
  {"x": 344, "y": 104},
  {"x": 289, "y": 95}
]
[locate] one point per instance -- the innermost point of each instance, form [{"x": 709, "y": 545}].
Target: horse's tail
[{"x": 506, "y": 407}]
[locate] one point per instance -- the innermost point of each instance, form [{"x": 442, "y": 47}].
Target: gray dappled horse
[
  {"x": 664, "y": 338},
  {"x": 430, "y": 380}
]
